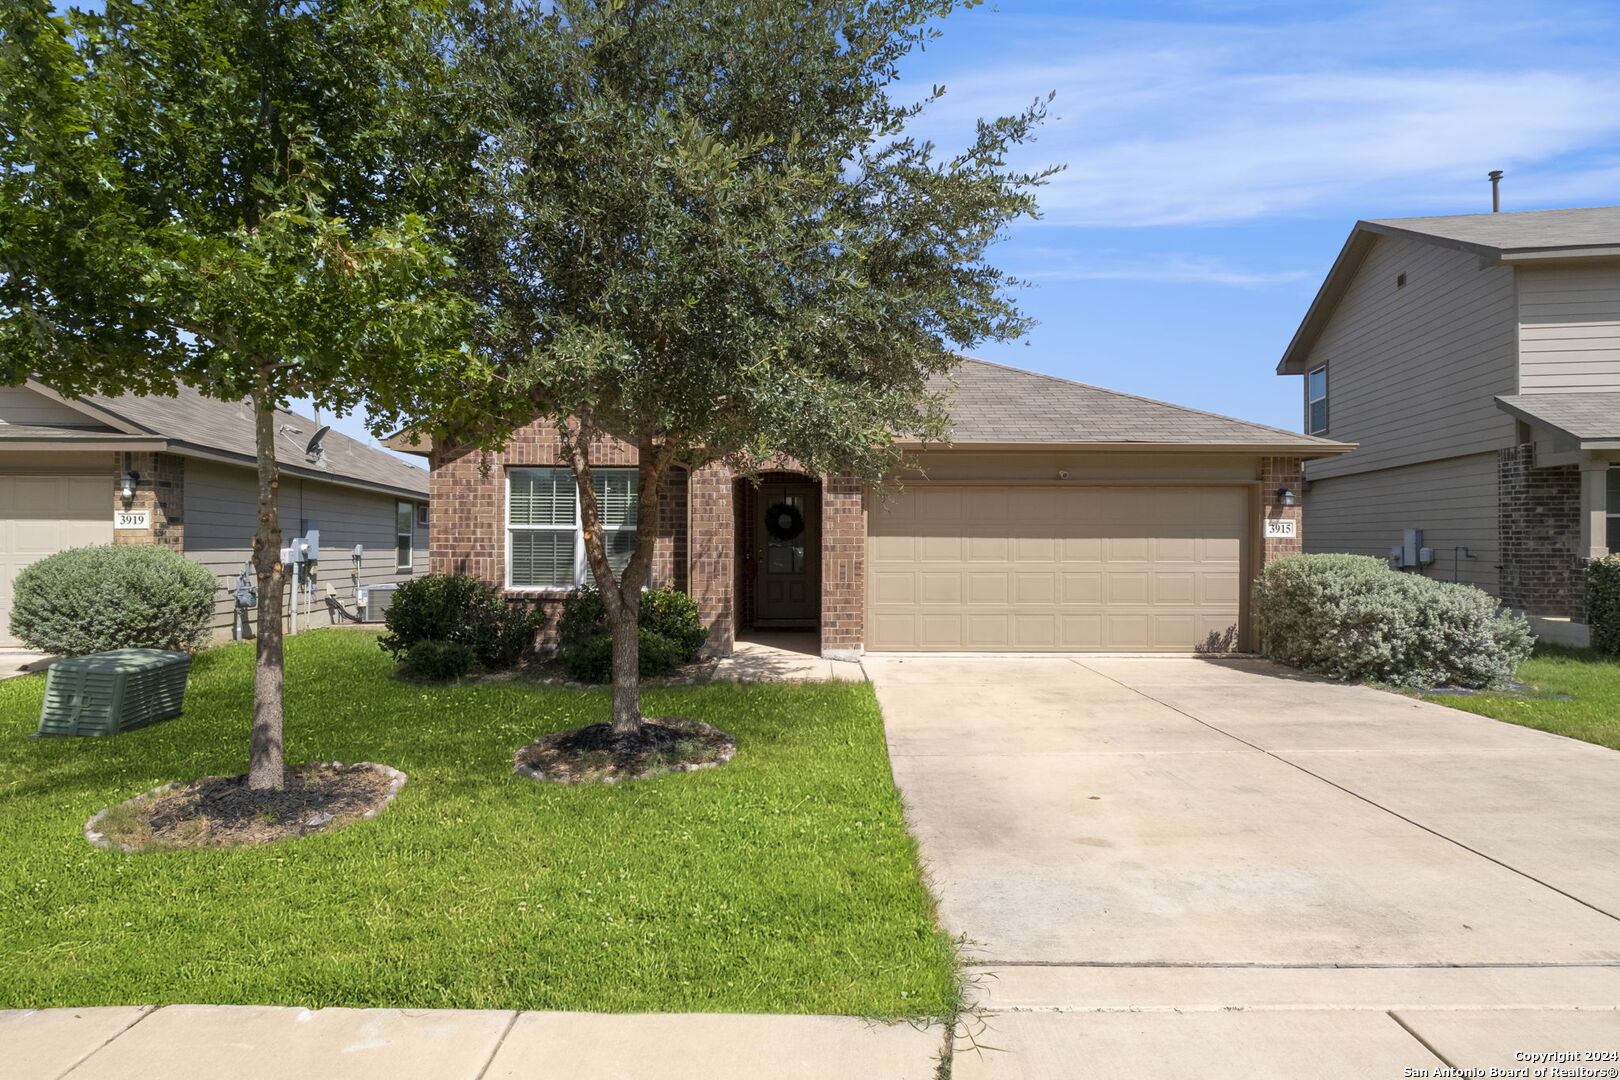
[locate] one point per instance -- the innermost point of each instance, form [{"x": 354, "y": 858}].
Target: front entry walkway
[{"x": 1176, "y": 867}]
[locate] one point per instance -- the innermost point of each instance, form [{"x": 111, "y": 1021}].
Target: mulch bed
[
  {"x": 222, "y": 811},
  {"x": 594, "y": 755}
]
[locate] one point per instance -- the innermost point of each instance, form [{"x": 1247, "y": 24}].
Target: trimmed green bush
[
  {"x": 591, "y": 660},
  {"x": 459, "y": 608},
  {"x": 91, "y": 599},
  {"x": 671, "y": 634},
  {"x": 1351, "y": 617},
  {"x": 1603, "y": 603},
  {"x": 439, "y": 661}
]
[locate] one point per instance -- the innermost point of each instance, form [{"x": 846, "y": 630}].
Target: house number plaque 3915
[{"x": 1280, "y": 527}]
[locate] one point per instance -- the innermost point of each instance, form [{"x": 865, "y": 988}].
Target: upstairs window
[
  {"x": 545, "y": 544},
  {"x": 1316, "y": 413}
]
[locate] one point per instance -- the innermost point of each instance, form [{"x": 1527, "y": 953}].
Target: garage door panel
[
  {"x": 989, "y": 631},
  {"x": 989, "y": 588},
  {"x": 1129, "y": 549},
  {"x": 1083, "y": 588},
  {"x": 1170, "y": 587},
  {"x": 990, "y": 549},
  {"x": 1034, "y": 588},
  {"x": 939, "y": 631},
  {"x": 1127, "y": 588},
  {"x": 939, "y": 588},
  {"x": 1074, "y": 569},
  {"x": 41, "y": 515}
]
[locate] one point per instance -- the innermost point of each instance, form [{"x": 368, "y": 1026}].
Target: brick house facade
[{"x": 1539, "y": 522}]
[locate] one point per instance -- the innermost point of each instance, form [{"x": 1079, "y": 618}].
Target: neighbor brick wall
[
  {"x": 1539, "y": 529},
  {"x": 467, "y": 493},
  {"x": 1277, "y": 473},
  {"x": 160, "y": 488},
  {"x": 843, "y": 563}
]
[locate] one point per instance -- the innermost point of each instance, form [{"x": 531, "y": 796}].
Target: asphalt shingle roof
[
  {"x": 998, "y": 404},
  {"x": 208, "y": 423},
  {"x": 1525, "y": 230},
  {"x": 1586, "y": 416}
]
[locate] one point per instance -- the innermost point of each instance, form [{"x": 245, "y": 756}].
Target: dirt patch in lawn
[
  {"x": 594, "y": 755},
  {"x": 222, "y": 811}
]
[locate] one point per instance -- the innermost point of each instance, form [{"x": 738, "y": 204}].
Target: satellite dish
[{"x": 314, "y": 446}]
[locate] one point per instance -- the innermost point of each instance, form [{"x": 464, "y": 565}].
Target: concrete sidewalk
[{"x": 243, "y": 1042}]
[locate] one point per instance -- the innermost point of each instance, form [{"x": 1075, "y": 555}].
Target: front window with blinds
[
  {"x": 544, "y": 543},
  {"x": 404, "y": 533}
]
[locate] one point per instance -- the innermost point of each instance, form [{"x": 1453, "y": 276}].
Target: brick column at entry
[
  {"x": 843, "y": 567},
  {"x": 712, "y": 569}
]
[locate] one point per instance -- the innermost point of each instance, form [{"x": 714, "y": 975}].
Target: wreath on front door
[{"x": 784, "y": 522}]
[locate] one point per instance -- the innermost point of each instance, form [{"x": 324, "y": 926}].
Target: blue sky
[{"x": 1218, "y": 153}]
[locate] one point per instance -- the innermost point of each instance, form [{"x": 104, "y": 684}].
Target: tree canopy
[
  {"x": 705, "y": 229},
  {"x": 236, "y": 197}
]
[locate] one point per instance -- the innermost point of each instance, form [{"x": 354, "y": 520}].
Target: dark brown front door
[{"x": 787, "y": 535}]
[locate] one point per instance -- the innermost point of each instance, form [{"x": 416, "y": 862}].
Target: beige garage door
[
  {"x": 40, "y": 515},
  {"x": 1069, "y": 569}
]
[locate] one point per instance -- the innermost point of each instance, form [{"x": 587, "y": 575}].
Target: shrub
[
  {"x": 90, "y": 599},
  {"x": 458, "y": 608},
  {"x": 671, "y": 634},
  {"x": 674, "y": 615},
  {"x": 1351, "y": 617},
  {"x": 1603, "y": 603},
  {"x": 437, "y": 660},
  {"x": 591, "y": 660}
]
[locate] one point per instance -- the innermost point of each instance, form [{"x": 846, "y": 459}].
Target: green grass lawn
[
  {"x": 782, "y": 882},
  {"x": 1590, "y": 679}
]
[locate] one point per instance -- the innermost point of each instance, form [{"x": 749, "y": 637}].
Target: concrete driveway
[{"x": 1325, "y": 880}]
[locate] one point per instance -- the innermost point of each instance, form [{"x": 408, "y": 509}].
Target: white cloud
[
  {"x": 1177, "y": 268},
  {"x": 1387, "y": 110}
]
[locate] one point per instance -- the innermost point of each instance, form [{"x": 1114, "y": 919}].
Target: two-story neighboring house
[{"x": 1476, "y": 361}]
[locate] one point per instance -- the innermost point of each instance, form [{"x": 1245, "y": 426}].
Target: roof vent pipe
[{"x": 1495, "y": 177}]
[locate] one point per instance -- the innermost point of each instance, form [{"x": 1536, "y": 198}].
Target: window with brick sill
[{"x": 545, "y": 544}]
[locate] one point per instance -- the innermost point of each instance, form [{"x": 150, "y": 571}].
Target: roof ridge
[{"x": 1148, "y": 400}]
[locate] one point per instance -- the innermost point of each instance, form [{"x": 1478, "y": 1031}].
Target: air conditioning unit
[{"x": 375, "y": 601}]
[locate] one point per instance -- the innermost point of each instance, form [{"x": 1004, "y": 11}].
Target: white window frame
[
  {"x": 408, "y": 563},
  {"x": 1310, "y": 401},
  {"x": 1611, "y": 507},
  {"x": 582, "y": 570}
]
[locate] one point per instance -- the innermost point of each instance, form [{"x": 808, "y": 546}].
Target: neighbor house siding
[
  {"x": 20, "y": 405},
  {"x": 1453, "y": 501},
  {"x": 1412, "y": 370},
  {"x": 1569, "y": 329},
  {"x": 221, "y": 515}
]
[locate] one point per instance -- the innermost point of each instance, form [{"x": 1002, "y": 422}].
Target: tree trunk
[
  {"x": 626, "y": 665},
  {"x": 621, "y": 597},
  {"x": 267, "y": 771}
]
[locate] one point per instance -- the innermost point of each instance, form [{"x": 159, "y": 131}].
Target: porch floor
[{"x": 784, "y": 656}]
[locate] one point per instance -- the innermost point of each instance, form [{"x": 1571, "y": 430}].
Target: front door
[{"x": 788, "y": 589}]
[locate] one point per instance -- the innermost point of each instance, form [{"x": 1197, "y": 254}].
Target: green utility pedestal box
[{"x": 109, "y": 692}]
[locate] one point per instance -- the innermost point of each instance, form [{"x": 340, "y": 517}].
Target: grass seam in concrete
[
  {"x": 146, "y": 1010},
  {"x": 1421, "y": 1041},
  {"x": 1356, "y": 795}
]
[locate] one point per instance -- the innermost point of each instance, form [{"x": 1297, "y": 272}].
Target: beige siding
[
  {"x": 219, "y": 524},
  {"x": 1569, "y": 328},
  {"x": 20, "y": 405},
  {"x": 1412, "y": 371},
  {"x": 1452, "y": 501}
]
